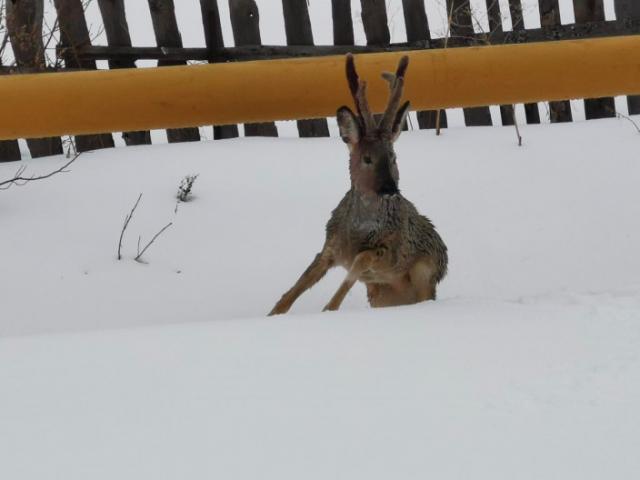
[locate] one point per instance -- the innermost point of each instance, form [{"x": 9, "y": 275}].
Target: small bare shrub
[{"x": 184, "y": 189}]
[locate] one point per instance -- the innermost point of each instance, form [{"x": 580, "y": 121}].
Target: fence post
[
  {"x": 417, "y": 27},
  {"x": 593, "y": 11},
  {"x": 245, "y": 22},
  {"x": 73, "y": 34},
  {"x": 165, "y": 28},
  {"x": 213, "y": 39},
  {"x": 531, "y": 111},
  {"x": 298, "y": 30},
  {"x": 629, "y": 10},
  {"x": 461, "y": 25},
  {"x": 24, "y": 24},
  {"x": 342, "y": 23},
  {"x": 115, "y": 24},
  {"x": 559, "y": 111}
]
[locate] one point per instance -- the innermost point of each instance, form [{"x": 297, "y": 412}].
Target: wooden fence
[{"x": 24, "y": 20}]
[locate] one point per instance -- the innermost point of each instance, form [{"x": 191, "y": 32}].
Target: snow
[{"x": 526, "y": 367}]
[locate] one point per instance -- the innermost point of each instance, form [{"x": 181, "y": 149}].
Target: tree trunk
[
  {"x": 245, "y": 22},
  {"x": 214, "y": 41},
  {"x": 461, "y": 25},
  {"x": 417, "y": 26},
  {"x": 593, "y": 11},
  {"x": 115, "y": 24},
  {"x": 628, "y": 10},
  {"x": 74, "y": 33},
  {"x": 298, "y": 30},
  {"x": 24, "y": 23}
]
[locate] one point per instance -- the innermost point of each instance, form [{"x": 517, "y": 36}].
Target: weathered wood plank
[
  {"x": 214, "y": 41},
  {"x": 342, "y": 22},
  {"x": 417, "y": 27},
  {"x": 374, "y": 20},
  {"x": 532, "y": 114},
  {"x": 593, "y": 11},
  {"x": 626, "y": 11},
  {"x": 462, "y": 26},
  {"x": 116, "y": 28},
  {"x": 298, "y": 31},
  {"x": 74, "y": 35},
  {"x": 264, "y": 52},
  {"x": 376, "y": 28},
  {"x": 165, "y": 28},
  {"x": 245, "y": 22},
  {"x": 9, "y": 149},
  {"x": 24, "y": 24},
  {"x": 494, "y": 15},
  {"x": 559, "y": 112}
]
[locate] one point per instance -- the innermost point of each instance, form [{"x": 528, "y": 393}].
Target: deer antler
[
  {"x": 396, "y": 85},
  {"x": 359, "y": 93}
]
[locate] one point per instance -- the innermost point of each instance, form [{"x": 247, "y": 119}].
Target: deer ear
[
  {"x": 398, "y": 123},
  {"x": 350, "y": 130}
]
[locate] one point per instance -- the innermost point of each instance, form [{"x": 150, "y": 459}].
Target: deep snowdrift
[{"x": 528, "y": 366}]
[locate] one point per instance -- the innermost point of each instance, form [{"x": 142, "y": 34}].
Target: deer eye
[{"x": 367, "y": 160}]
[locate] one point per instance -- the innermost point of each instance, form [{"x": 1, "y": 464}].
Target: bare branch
[
  {"x": 20, "y": 180},
  {"x": 127, "y": 219},
  {"x": 137, "y": 259}
]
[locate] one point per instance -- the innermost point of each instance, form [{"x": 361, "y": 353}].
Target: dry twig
[
  {"x": 139, "y": 256},
  {"x": 127, "y": 219},
  {"x": 20, "y": 180}
]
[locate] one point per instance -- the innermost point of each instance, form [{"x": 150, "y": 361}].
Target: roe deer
[{"x": 375, "y": 233}]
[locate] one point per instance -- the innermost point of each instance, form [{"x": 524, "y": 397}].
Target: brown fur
[{"x": 374, "y": 232}]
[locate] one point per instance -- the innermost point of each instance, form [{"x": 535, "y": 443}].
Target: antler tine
[
  {"x": 396, "y": 84},
  {"x": 359, "y": 93}
]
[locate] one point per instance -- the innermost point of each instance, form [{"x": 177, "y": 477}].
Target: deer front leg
[
  {"x": 364, "y": 261},
  {"x": 308, "y": 279}
]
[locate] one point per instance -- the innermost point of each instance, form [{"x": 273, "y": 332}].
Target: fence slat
[
  {"x": 376, "y": 27},
  {"x": 627, "y": 10},
  {"x": 417, "y": 27},
  {"x": 116, "y": 27},
  {"x": 24, "y": 23},
  {"x": 213, "y": 39},
  {"x": 593, "y": 11},
  {"x": 9, "y": 151},
  {"x": 298, "y": 31},
  {"x": 342, "y": 22},
  {"x": 494, "y": 15},
  {"x": 375, "y": 23},
  {"x": 75, "y": 34},
  {"x": 461, "y": 25},
  {"x": 165, "y": 28},
  {"x": 559, "y": 111},
  {"x": 532, "y": 113},
  {"x": 245, "y": 23}
]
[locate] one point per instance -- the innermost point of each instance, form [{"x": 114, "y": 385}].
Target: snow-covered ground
[{"x": 527, "y": 367}]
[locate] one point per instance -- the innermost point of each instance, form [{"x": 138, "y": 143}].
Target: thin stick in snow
[
  {"x": 127, "y": 219},
  {"x": 137, "y": 259},
  {"x": 515, "y": 123},
  {"x": 18, "y": 179}
]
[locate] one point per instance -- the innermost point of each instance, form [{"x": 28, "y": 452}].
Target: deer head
[{"x": 372, "y": 164}]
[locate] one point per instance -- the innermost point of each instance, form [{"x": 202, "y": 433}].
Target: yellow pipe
[{"x": 172, "y": 97}]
